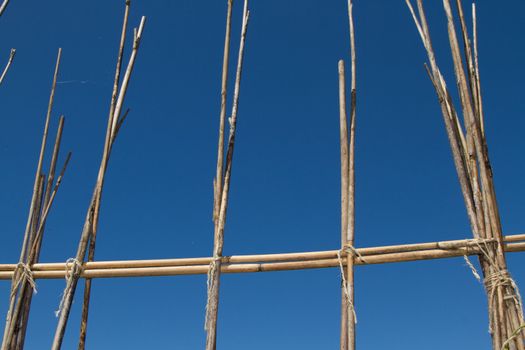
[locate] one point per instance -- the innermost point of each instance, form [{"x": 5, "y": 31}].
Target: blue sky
[{"x": 285, "y": 184}]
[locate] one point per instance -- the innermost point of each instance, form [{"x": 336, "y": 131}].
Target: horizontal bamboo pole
[
  {"x": 143, "y": 268},
  {"x": 261, "y": 258}
]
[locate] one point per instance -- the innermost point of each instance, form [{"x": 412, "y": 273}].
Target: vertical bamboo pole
[
  {"x": 18, "y": 319},
  {"x": 351, "y": 188},
  {"x": 475, "y": 174},
  {"x": 500, "y": 266},
  {"x": 476, "y": 68},
  {"x": 9, "y": 325},
  {"x": 37, "y": 242},
  {"x": 217, "y": 188},
  {"x": 91, "y": 215},
  {"x": 343, "y": 136},
  {"x": 16, "y": 330},
  {"x": 215, "y": 266},
  {"x": 348, "y": 319},
  {"x": 108, "y": 143}
]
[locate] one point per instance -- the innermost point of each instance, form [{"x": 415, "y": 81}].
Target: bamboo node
[{"x": 76, "y": 269}]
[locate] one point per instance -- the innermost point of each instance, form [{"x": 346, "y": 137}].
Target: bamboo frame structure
[{"x": 469, "y": 151}]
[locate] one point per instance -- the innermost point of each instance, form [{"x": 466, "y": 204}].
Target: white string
[
  {"x": 76, "y": 268},
  {"x": 472, "y": 268},
  {"x": 345, "y": 287}
]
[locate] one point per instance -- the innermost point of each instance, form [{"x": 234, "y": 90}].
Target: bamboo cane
[
  {"x": 108, "y": 143},
  {"x": 72, "y": 281},
  {"x": 3, "y": 6},
  {"x": 17, "y": 319},
  {"x": 37, "y": 242},
  {"x": 476, "y": 68},
  {"x": 8, "y": 65},
  {"x": 464, "y": 169},
  {"x": 343, "y": 129},
  {"x": 326, "y": 259},
  {"x": 513, "y": 244},
  {"x": 24, "y": 285},
  {"x": 363, "y": 252},
  {"x": 215, "y": 267},
  {"x": 217, "y": 188},
  {"x": 504, "y": 310},
  {"x": 472, "y": 163},
  {"x": 9, "y": 326},
  {"x": 351, "y": 189},
  {"x": 450, "y": 126}
]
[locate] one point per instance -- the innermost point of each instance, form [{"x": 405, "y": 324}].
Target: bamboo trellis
[{"x": 470, "y": 154}]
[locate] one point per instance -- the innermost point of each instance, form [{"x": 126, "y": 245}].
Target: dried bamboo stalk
[
  {"x": 450, "y": 125},
  {"x": 3, "y": 6},
  {"x": 8, "y": 65},
  {"x": 91, "y": 215},
  {"x": 215, "y": 267},
  {"x": 9, "y": 325},
  {"x": 37, "y": 242},
  {"x": 473, "y": 166},
  {"x": 343, "y": 136},
  {"x": 363, "y": 252},
  {"x": 16, "y": 323},
  {"x": 217, "y": 186},
  {"x": 351, "y": 189},
  {"x": 476, "y": 69},
  {"x": 514, "y": 240},
  {"x": 17, "y": 319},
  {"x": 327, "y": 259},
  {"x": 503, "y": 309},
  {"x": 108, "y": 144}
]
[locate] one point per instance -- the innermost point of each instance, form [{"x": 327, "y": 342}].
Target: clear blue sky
[{"x": 285, "y": 186}]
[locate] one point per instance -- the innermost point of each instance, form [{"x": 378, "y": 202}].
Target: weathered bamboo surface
[{"x": 267, "y": 262}]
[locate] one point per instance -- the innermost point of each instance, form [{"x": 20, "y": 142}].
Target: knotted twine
[
  {"x": 477, "y": 242},
  {"x": 498, "y": 278},
  {"x": 506, "y": 344},
  {"x": 76, "y": 268},
  {"x": 348, "y": 248},
  {"x": 24, "y": 273},
  {"x": 501, "y": 278},
  {"x": 211, "y": 304}
]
